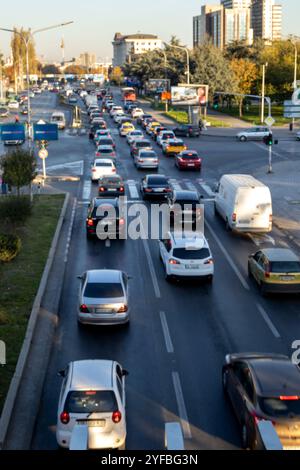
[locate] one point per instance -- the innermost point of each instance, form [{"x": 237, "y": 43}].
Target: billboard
[
  {"x": 12, "y": 132},
  {"x": 45, "y": 132},
  {"x": 158, "y": 85},
  {"x": 189, "y": 95}
]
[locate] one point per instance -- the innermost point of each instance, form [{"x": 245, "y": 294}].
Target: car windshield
[
  {"x": 285, "y": 267},
  {"x": 57, "y": 118},
  {"x": 103, "y": 401},
  {"x": 191, "y": 254},
  {"x": 106, "y": 290},
  {"x": 281, "y": 407}
]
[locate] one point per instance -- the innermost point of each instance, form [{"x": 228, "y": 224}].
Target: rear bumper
[
  {"x": 108, "y": 319},
  {"x": 273, "y": 287}
]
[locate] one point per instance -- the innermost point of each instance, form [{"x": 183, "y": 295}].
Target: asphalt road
[{"x": 179, "y": 333}]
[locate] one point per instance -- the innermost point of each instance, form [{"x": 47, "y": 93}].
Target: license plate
[
  {"x": 106, "y": 222},
  {"x": 287, "y": 278},
  {"x": 191, "y": 164},
  {"x": 92, "y": 423},
  {"x": 111, "y": 189},
  {"x": 158, "y": 190},
  {"x": 193, "y": 266},
  {"x": 103, "y": 310},
  {"x": 244, "y": 221}
]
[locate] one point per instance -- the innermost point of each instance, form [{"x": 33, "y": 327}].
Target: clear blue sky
[{"x": 96, "y": 21}]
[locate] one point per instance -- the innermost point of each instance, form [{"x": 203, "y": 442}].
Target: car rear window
[
  {"x": 189, "y": 156},
  {"x": 148, "y": 154},
  {"x": 176, "y": 144},
  {"x": 105, "y": 141},
  {"x": 103, "y": 401},
  {"x": 158, "y": 181},
  {"x": 281, "y": 407},
  {"x": 102, "y": 150},
  {"x": 285, "y": 267},
  {"x": 167, "y": 136},
  {"x": 106, "y": 290},
  {"x": 183, "y": 253},
  {"x": 103, "y": 164},
  {"x": 110, "y": 181},
  {"x": 140, "y": 144}
]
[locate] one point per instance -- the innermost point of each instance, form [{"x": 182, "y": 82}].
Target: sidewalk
[{"x": 284, "y": 184}]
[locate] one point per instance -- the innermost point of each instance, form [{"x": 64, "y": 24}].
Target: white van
[
  {"x": 244, "y": 203},
  {"x": 58, "y": 118}
]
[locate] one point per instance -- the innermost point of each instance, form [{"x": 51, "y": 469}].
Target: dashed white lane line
[
  {"x": 150, "y": 263},
  {"x": 181, "y": 406},
  {"x": 70, "y": 231},
  {"x": 268, "y": 321},
  {"x": 190, "y": 186},
  {"x": 166, "y": 332},
  {"x": 207, "y": 189},
  {"x": 86, "y": 190},
  {"x": 228, "y": 257},
  {"x": 107, "y": 243},
  {"x": 134, "y": 194},
  {"x": 175, "y": 184}
]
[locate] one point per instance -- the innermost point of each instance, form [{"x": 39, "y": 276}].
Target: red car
[{"x": 188, "y": 160}]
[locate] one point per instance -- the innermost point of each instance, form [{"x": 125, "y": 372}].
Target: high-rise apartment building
[
  {"x": 266, "y": 20},
  {"x": 236, "y": 3}
]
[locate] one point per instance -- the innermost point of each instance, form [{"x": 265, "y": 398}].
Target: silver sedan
[{"x": 146, "y": 159}]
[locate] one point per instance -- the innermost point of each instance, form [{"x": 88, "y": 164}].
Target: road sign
[
  {"x": 43, "y": 153},
  {"x": 45, "y": 132},
  {"x": 11, "y": 132},
  {"x": 269, "y": 121},
  {"x": 291, "y": 110}
]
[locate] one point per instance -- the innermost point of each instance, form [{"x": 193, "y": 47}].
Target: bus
[{"x": 128, "y": 94}]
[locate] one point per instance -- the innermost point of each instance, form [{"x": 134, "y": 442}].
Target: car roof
[
  {"x": 188, "y": 238},
  {"x": 280, "y": 254},
  {"x": 104, "y": 275},
  {"x": 92, "y": 374},
  {"x": 275, "y": 376},
  {"x": 186, "y": 195}
]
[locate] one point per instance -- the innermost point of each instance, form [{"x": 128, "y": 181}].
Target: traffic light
[
  {"x": 268, "y": 140},
  {"x": 216, "y": 102}
]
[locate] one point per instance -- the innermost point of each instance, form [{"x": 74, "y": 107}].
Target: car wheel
[
  {"x": 243, "y": 138},
  {"x": 245, "y": 437},
  {"x": 210, "y": 279},
  {"x": 250, "y": 274},
  {"x": 168, "y": 278}
]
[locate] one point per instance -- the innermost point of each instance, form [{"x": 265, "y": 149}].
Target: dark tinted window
[
  {"x": 103, "y": 401},
  {"x": 183, "y": 253},
  {"x": 110, "y": 181},
  {"x": 176, "y": 144},
  {"x": 105, "y": 290},
  {"x": 141, "y": 144},
  {"x": 102, "y": 150},
  {"x": 105, "y": 141},
  {"x": 278, "y": 408},
  {"x": 167, "y": 136},
  {"x": 103, "y": 164},
  {"x": 285, "y": 267},
  {"x": 148, "y": 154},
  {"x": 158, "y": 181},
  {"x": 189, "y": 156}
]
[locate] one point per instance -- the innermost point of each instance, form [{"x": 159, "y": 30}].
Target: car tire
[
  {"x": 250, "y": 274},
  {"x": 210, "y": 280},
  {"x": 243, "y": 138},
  {"x": 262, "y": 289}
]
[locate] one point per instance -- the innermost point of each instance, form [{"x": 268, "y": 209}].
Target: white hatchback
[
  {"x": 186, "y": 255},
  {"x": 102, "y": 167},
  {"x": 92, "y": 396}
]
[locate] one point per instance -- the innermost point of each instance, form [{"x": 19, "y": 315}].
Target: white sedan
[
  {"x": 185, "y": 255},
  {"x": 102, "y": 167},
  {"x": 134, "y": 135},
  {"x": 92, "y": 406}
]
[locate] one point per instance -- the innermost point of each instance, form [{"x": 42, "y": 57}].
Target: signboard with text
[
  {"x": 158, "y": 85},
  {"x": 47, "y": 132},
  {"x": 12, "y": 132}
]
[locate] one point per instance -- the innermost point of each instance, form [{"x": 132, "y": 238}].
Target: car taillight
[
  {"x": 90, "y": 222},
  {"x": 64, "y": 417},
  {"x": 94, "y": 170},
  {"x": 140, "y": 160},
  {"x": 289, "y": 398},
  {"x": 167, "y": 190},
  {"x": 270, "y": 218},
  {"x": 209, "y": 261},
  {"x": 116, "y": 417},
  {"x": 113, "y": 170},
  {"x": 233, "y": 218},
  {"x": 173, "y": 261},
  {"x": 122, "y": 221},
  {"x": 84, "y": 309},
  {"x": 148, "y": 190},
  {"x": 267, "y": 275},
  {"x": 122, "y": 189},
  {"x": 123, "y": 309}
]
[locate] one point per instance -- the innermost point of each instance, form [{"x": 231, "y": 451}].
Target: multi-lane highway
[{"x": 179, "y": 333}]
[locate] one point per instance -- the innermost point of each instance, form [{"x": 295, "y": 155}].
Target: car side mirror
[
  {"x": 125, "y": 373},
  {"x": 61, "y": 373}
]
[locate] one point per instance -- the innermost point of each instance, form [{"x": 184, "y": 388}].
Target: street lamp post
[
  {"x": 263, "y": 93},
  {"x": 295, "y": 73},
  {"x": 166, "y": 72},
  {"x": 27, "y": 41}
]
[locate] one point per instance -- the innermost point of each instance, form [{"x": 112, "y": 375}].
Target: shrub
[
  {"x": 15, "y": 210},
  {"x": 10, "y": 246}
]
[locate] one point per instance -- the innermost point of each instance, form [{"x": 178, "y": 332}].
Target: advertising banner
[{"x": 189, "y": 95}]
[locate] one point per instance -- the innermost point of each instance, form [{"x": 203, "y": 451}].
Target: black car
[
  {"x": 155, "y": 186},
  {"x": 184, "y": 204},
  {"x": 264, "y": 387},
  {"x": 104, "y": 219},
  {"x": 187, "y": 130},
  {"x": 95, "y": 127},
  {"x": 140, "y": 119}
]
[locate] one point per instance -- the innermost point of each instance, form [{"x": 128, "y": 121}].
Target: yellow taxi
[
  {"x": 126, "y": 128},
  {"x": 174, "y": 147},
  {"x": 151, "y": 126},
  {"x": 275, "y": 270}
]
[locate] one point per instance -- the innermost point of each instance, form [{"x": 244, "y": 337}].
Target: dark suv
[
  {"x": 108, "y": 214},
  {"x": 187, "y": 130}
]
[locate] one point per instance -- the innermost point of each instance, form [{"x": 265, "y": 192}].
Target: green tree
[
  {"x": 19, "y": 38},
  {"x": 76, "y": 70},
  {"x": 50, "y": 69},
  {"x": 19, "y": 168},
  {"x": 210, "y": 67},
  {"x": 117, "y": 76}
]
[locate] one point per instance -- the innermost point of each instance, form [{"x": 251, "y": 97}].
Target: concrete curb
[{"x": 16, "y": 380}]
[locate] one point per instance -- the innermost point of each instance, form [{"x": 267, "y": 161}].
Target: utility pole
[
  {"x": 166, "y": 73},
  {"x": 263, "y": 93}
]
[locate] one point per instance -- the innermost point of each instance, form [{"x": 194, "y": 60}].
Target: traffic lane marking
[
  {"x": 268, "y": 321},
  {"x": 166, "y": 332},
  {"x": 181, "y": 406},
  {"x": 150, "y": 262}
]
